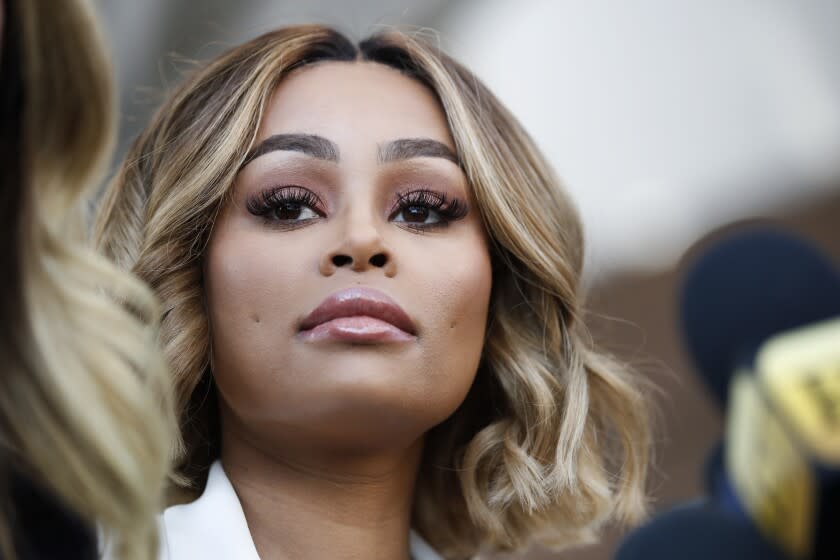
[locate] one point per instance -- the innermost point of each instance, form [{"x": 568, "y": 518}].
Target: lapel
[{"x": 213, "y": 527}]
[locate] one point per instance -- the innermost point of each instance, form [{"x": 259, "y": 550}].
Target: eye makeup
[
  {"x": 419, "y": 209},
  {"x": 424, "y": 203},
  {"x": 282, "y": 206}
]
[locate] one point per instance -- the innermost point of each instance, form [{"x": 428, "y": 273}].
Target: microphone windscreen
[
  {"x": 697, "y": 531},
  {"x": 783, "y": 440},
  {"x": 746, "y": 288}
]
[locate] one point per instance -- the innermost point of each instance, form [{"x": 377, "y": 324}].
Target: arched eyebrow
[
  {"x": 309, "y": 144},
  {"x": 407, "y": 148},
  {"x": 324, "y": 149}
]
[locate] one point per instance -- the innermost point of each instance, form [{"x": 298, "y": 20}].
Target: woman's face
[{"x": 352, "y": 199}]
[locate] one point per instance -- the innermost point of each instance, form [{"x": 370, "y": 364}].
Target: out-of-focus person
[{"x": 85, "y": 427}]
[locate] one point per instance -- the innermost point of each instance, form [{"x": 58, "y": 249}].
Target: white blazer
[{"x": 213, "y": 527}]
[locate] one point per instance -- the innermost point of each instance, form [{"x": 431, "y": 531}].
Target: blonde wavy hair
[
  {"x": 553, "y": 439},
  {"x": 85, "y": 405}
]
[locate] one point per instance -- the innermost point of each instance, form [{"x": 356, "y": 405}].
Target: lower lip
[{"x": 360, "y": 329}]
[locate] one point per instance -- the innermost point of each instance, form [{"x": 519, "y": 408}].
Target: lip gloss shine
[
  {"x": 358, "y": 329},
  {"x": 360, "y": 314}
]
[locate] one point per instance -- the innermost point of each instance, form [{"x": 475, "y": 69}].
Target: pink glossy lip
[{"x": 358, "y": 315}]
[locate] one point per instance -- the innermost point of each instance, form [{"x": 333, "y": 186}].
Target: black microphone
[
  {"x": 742, "y": 290},
  {"x": 698, "y": 531},
  {"x": 773, "y": 485}
]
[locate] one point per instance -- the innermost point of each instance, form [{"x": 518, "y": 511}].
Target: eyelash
[
  {"x": 269, "y": 201},
  {"x": 448, "y": 210}
]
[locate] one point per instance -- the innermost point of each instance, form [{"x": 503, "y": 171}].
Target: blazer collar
[{"x": 213, "y": 527}]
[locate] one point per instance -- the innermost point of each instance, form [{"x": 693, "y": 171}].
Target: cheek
[
  {"x": 247, "y": 276},
  {"x": 459, "y": 300}
]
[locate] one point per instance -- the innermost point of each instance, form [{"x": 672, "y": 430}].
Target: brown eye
[
  {"x": 415, "y": 214},
  {"x": 288, "y": 211},
  {"x": 285, "y": 205},
  {"x": 423, "y": 209}
]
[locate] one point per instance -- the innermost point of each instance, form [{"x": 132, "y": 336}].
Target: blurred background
[{"x": 665, "y": 120}]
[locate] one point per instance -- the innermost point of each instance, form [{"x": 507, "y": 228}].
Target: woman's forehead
[{"x": 354, "y": 104}]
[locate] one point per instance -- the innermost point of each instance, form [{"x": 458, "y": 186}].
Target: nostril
[
  {"x": 341, "y": 260},
  {"x": 378, "y": 260}
]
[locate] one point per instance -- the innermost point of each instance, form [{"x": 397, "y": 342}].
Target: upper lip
[{"x": 358, "y": 301}]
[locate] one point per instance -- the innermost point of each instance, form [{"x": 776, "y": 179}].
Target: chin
[
  {"x": 368, "y": 412},
  {"x": 351, "y": 398}
]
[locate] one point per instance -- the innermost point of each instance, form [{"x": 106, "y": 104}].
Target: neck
[{"x": 309, "y": 503}]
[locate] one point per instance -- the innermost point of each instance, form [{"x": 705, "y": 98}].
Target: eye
[
  {"x": 426, "y": 209},
  {"x": 286, "y": 205},
  {"x": 418, "y": 214},
  {"x": 292, "y": 210}
]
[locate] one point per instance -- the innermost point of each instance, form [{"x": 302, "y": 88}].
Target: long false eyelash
[
  {"x": 450, "y": 210},
  {"x": 271, "y": 199}
]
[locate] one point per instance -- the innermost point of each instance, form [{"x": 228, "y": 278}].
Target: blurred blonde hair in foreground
[
  {"x": 553, "y": 440},
  {"x": 84, "y": 404}
]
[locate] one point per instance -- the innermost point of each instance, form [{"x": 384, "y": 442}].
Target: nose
[{"x": 360, "y": 247}]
